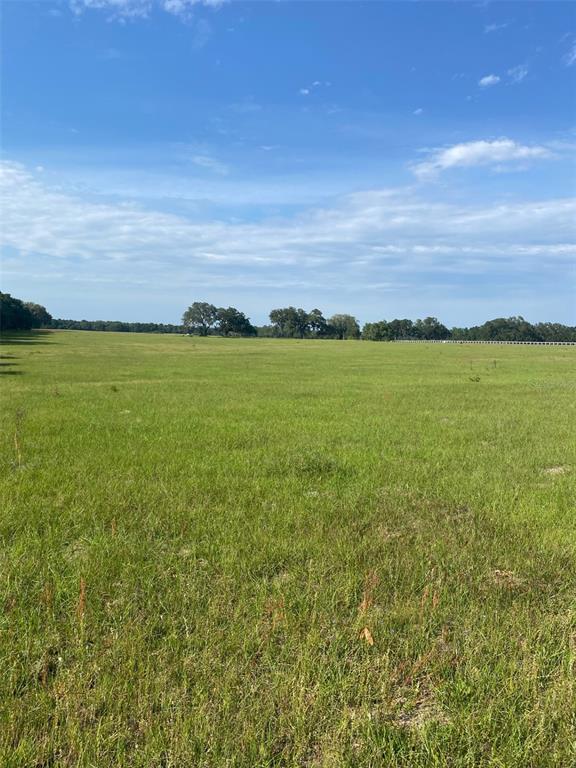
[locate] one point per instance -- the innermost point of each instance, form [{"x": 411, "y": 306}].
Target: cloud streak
[
  {"x": 210, "y": 163},
  {"x": 488, "y": 81},
  {"x": 478, "y": 153},
  {"x": 363, "y": 233},
  {"x": 490, "y": 28},
  {"x": 570, "y": 56},
  {"x": 132, "y": 10},
  {"x": 518, "y": 74}
]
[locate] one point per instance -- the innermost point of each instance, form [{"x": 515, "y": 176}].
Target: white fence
[{"x": 465, "y": 341}]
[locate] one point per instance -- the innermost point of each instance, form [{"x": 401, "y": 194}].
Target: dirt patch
[
  {"x": 507, "y": 579},
  {"x": 417, "y": 714},
  {"x": 387, "y": 534},
  {"x": 559, "y": 470}
]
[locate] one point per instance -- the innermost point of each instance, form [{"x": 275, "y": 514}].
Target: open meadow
[{"x": 249, "y": 553}]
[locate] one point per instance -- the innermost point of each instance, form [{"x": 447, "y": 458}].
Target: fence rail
[{"x": 469, "y": 341}]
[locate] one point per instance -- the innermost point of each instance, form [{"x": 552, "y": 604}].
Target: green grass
[{"x": 200, "y": 537}]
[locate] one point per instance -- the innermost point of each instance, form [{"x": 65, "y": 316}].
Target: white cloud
[
  {"x": 517, "y": 74},
  {"x": 313, "y": 86},
  {"x": 184, "y": 8},
  {"x": 488, "y": 28},
  {"x": 488, "y": 80},
  {"x": 394, "y": 231},
  {"x": 418, "y": 111},
  {"x": 210, "y": 163},
  {"x": 570, "y": 57},
  {"x": 140, "y": 9},
  {"x": 121, "y": 9},
  {"x": 475, "y": 153}
]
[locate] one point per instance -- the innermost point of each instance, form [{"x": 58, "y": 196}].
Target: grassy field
[{"x": 221, "y": 552}]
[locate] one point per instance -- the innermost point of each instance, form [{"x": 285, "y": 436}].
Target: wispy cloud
[
  {"x": 518, "y": 73},
  {"x": 395, "y": 230},
  {"x": 184, "y": 8},
  {"x": 489, "y": 28},
  {"x": 488, "y": 80},
  {"x": 307, "y": 90},
  {"x": 570, "y": 56},
  {"x": 210, "y": 163},
  {"x": 202, "y": 32},
  {"x": 118, "y": 9},
  {"x": 131, "y": 10},
  {"x": 475, "y": 153}
]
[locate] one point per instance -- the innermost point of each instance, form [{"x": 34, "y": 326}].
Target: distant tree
[
  {"x": 232, "y": 322},
  {"x": 555, "y": 332},
  {"x": 459, "y": 334},
  {"x": 301, "y": 324},
  {"x": 506, "y": 329},
  {"x": 402, "y": 329},
  {"x": 431, "y": 328},
  {"x": 344, "y": 326},
  {"x": 14, "y": 314},
  {"x": 200, "y": 317},
  {"x": 376, "y": 331},
  {"x": 41, "y": 317},
  {"x": 265, "y": 331},
  {"x": 115, "y": 325},
  {"x": 290, "y": 322},
  {"x": 279, "y": 319},
  {"x": 515, "y": 329},
  {"x": 317, "y": 324}
]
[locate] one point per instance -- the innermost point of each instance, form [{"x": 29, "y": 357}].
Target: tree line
[
  {"x": 204, "y": 319},
  {"x": 117, "y": 326},
  {"x": 499, "y": 329},
  {"x": 17, "y": 315},
  {"x": 296, "y": 323}
]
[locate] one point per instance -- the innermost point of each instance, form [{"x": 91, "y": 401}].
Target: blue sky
[{"x": 387, "y": 159}]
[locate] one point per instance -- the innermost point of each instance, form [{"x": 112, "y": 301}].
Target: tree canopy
[
  {"x": 117, "y": 326},
  {"x": 41, "y": 317},
  {"x": 232, "y": 322},
  {"x": 290, "y": 322},
  {"x": 499, "y": 329},
  {"x": 14, "y": 314},
  {"x": 397, "y": 330},
  {"x": 200, "y": 318},
  {"x": 344, "y": 326},
  {"x": 203, "y": 319}
]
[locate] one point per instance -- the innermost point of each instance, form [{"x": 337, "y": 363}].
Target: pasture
[{"x": 253, "y": 553}]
